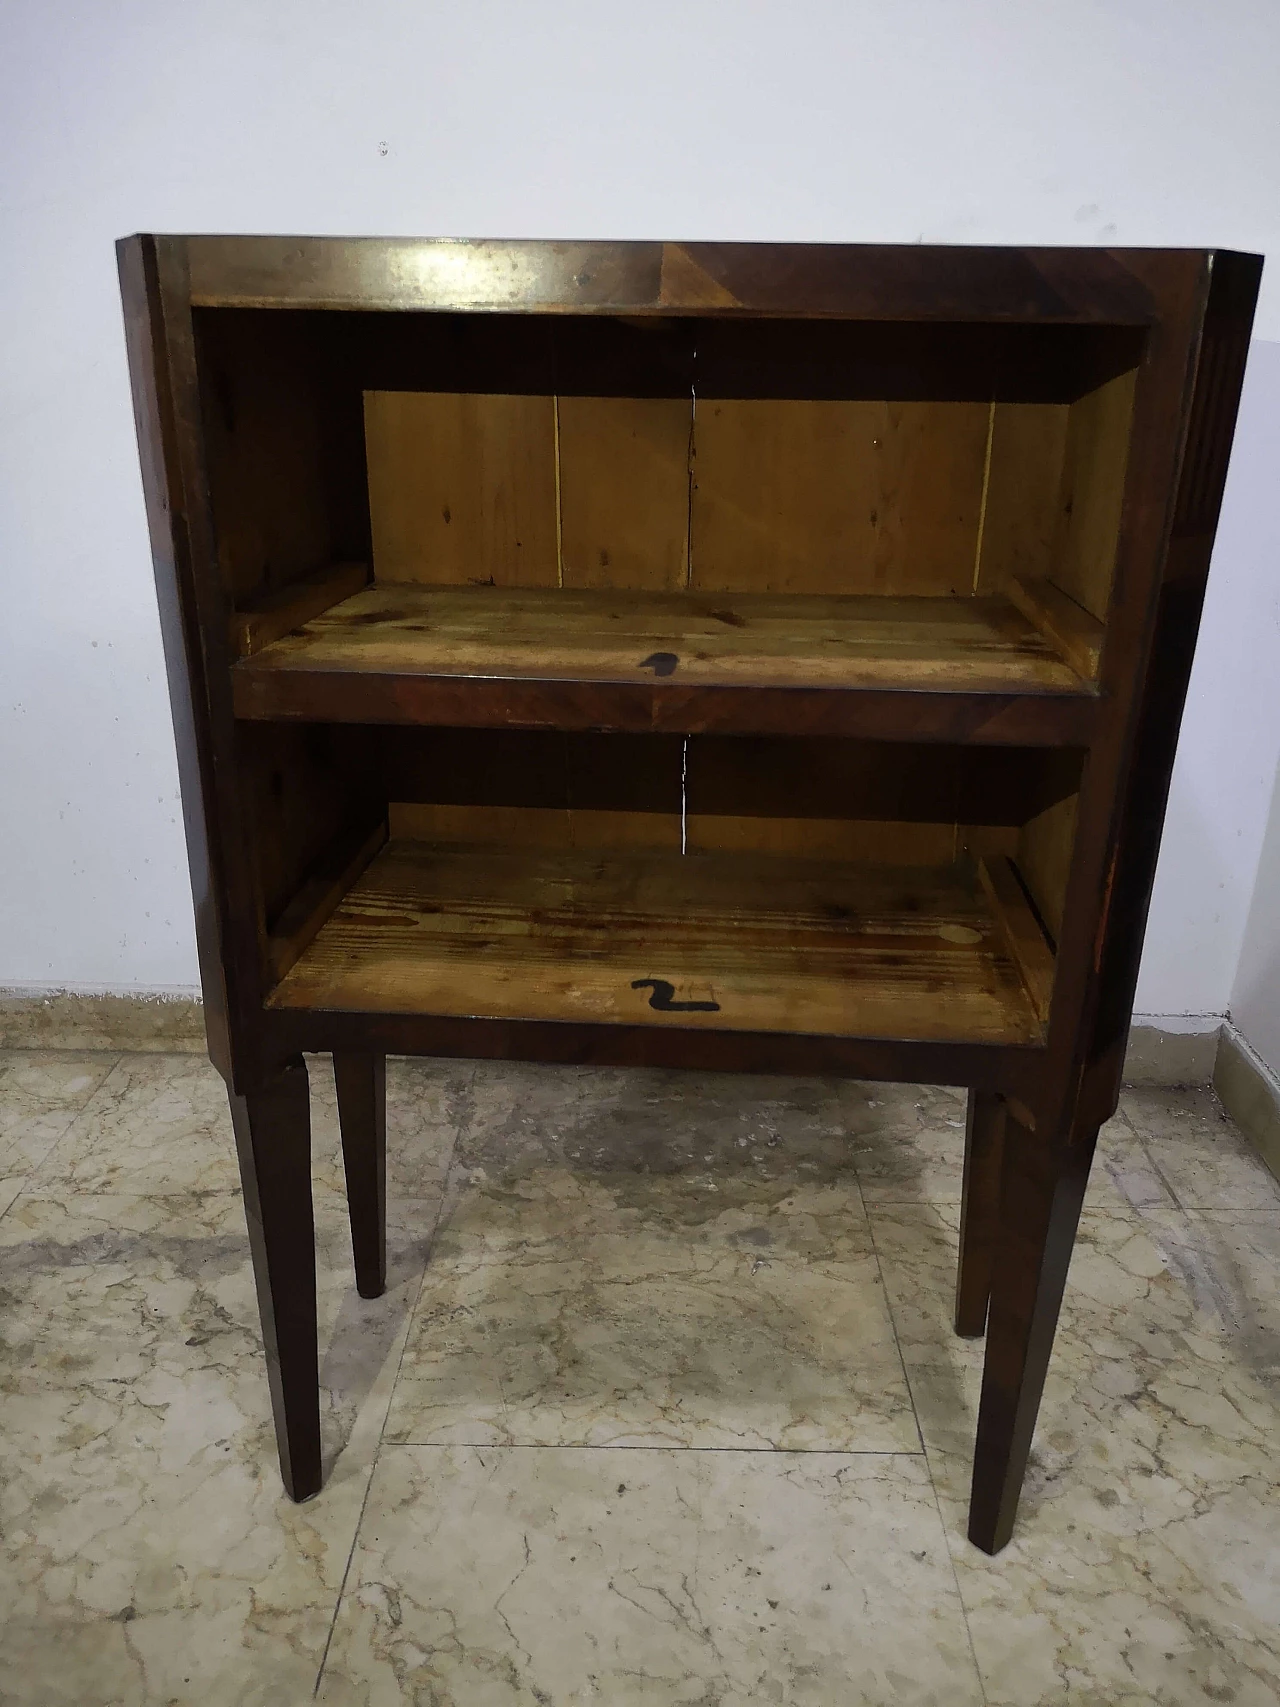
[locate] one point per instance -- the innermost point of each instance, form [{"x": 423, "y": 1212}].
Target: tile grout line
[
  {"x": 21, "y": 1192},
  {"x": 73, "y": 1125},
  {"x": 376, "y": 1454},
  {"x": 657, "y": 1446},
  {"x": 924, "y": 1453}
]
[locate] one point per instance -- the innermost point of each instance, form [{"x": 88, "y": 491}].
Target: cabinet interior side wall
[
  {"x": 1096, "y": 455},
  {"x": 284, "y": 451},
  {"x": 284, "y": 454}
]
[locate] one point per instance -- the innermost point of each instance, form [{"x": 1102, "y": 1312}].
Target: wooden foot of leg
[
  {"x": 273, "y": 1138},
  {"x": 980, "y": 1210},
  {"x": 362, "y": 1112},
  {"x": 1042, "y": 1186}
]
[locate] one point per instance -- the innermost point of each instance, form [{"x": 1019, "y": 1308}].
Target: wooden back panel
[
  {"x": 778, "y": 495},
  {"x": 462, "y": 487},
  {"x": 881, "y": 802},
  {"x": 827, "y": 496}
]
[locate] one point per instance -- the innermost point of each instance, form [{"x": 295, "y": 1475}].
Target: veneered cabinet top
[{"x": 875, "y": 282}]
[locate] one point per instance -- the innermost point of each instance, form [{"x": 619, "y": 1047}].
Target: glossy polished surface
[{"x": 884, "y": 282}]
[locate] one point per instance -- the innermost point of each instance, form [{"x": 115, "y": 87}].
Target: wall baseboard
[
  {"x": 66, "y": 1019},
  {"x": 1250, "y": 1093},
  {"x": 1160, "y": 1055}
]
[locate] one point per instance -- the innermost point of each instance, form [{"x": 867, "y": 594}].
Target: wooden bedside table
[{"x": 759, "y": 657}]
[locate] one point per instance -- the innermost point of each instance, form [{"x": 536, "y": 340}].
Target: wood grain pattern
[
  {"x": 757, "y": 639},
  {"x": 1024, "y": 479},
  {"x": 317, "y": 898},
  {"x": 533, "y": 826},
  {"x": 864, "y": 281},
  {"x": 1023, "y": 938},
  {"x": 797, "y": 946},
  {"x": 624, "y": 491},
  {"x": 865, "y": 840},
  {"x": 1067, "y": 626},
  {"x": 979, "y": 1211},
  {"x": 462, "y": 488},
  {"x": 1044, "y": 858},
  {"x": 1088, "y": 531},
  {"x": 277, "y": 613},
  {"x": 268, "y": 409},
  {"x": 806, "y": 496}
]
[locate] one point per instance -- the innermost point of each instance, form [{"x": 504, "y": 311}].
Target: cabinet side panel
[
  {"x": 1092, "y": 493},
  {"x": 153, "y": 416},
  {"x": 624, "y": 491},
  {"x": 282, "y": 439},
  {"x": 462, "y": 488},
  {"x": 825, "y": 496},
  {"x": 1215, "y": 399},
  {"x": 1044, "y": 858},
  {"x": 1024, "y": 477}
]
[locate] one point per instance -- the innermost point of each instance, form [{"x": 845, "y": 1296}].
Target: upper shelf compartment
[
  {"x": 746, "y": 527},
  {"x": 748, "y": 662}
]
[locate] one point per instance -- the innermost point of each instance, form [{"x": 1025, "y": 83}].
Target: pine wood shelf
[
  {"x": 737, "y": 942},
  {"x": 639, "y": 660}
]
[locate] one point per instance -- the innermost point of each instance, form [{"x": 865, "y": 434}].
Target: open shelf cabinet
[{"x": 753, "y": 657}]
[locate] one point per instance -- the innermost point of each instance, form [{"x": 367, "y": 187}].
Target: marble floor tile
[
  {"x": 666, "y": 1124},
  {"x": 652, "y": 1258},
  {"x": 1146, "y": 1562},
  {"x": 909, "y": 1141},
  {"x": 646, "y": 1579},
  {"x": 1204, "y": 1159},
  {"x": 1123, "y": 1176},
  {"x": 427, "y": 1101},
  {"x": 161, "y": 1123},
  {"x": 148, "y": 1553},
  {"x": 156, "y": 1124},
  {"x": 41, "y": 1092},
  {"x": 649, "y": 1310}
]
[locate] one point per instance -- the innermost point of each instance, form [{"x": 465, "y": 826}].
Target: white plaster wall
[
  {"x": 1255, "y": 1000},
  {"x": 1230, "y": 743},
  {"x": 1129, "y": 121}
]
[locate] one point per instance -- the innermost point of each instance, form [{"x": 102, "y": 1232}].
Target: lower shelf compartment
[{"x": 740, "y": 942}]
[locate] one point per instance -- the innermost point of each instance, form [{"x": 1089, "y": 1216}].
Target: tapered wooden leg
[
  {"x": 979, "y": 1211},
  {"x": 1043, "y": 1179},
  {"x": 273, "y": 1138},
  {"x": 362, "y": 1113}
]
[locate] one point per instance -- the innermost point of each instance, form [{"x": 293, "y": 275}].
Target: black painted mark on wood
[
  {"x": 661, "y": 663},
  {"x": 661, "y": 1000}
]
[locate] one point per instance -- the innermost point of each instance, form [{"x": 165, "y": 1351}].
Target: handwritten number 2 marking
[{"x": 661, "y": 1000}]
